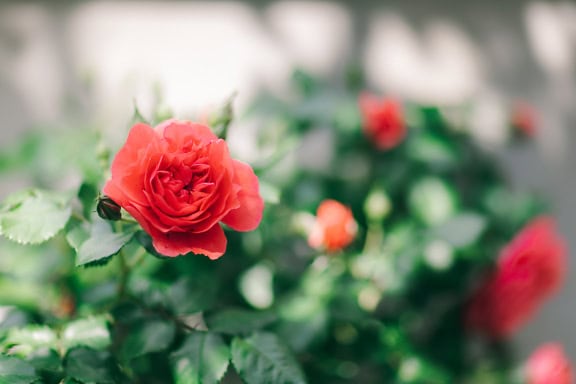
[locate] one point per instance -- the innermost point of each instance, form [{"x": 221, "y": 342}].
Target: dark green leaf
[
  {"x": 238, "y": 321},
  {"x": 202, "y": 359},
  {"x": 262, "y": 358},
  {"x": 191, "y": 295},
  {"x": 16, "y": 371},
  {"x": 89, "y": 366},
  {"x": 146, "y": 337},
  {"x": 45, "y": 359},
  {"x": 33, "y": 216}
]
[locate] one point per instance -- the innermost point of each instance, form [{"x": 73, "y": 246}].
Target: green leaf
[
  {"x": 432, "y": 200},
  {"x": 101, "y": 243},
  {"x": 45, "y": 359},
  {"x": 16, "y": 371},
  {"x": 432, "y": 151},
  {"x": 191, "y": 295},
  {"x": 239, "y": 321},
  {"x": 33, "y": 216},
  {"x": 262, "y": 358},
  {"x": 92, "y": 332},
  {"x": 89, "y": 366},
  {"x": 146, "y": 337},
  {"x": 461, "y": 230},
  {"x": 202, "y": 359},
  {"x": 30, "y": 338}
]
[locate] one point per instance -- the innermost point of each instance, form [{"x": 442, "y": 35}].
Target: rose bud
[
  {"x": 334, "y": 228},
  {"x": 107, "y": 209},
  {"x": 179, "y": 182},
  {"x": 548, "y": 364},
  {"x": 382, "y": 120},
  {"x": 528, "y": 271}
]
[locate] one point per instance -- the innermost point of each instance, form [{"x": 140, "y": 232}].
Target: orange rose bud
[
  {"x": 382, "y": 120},
  {"x": 529, "y": 270},
  {"x": 335, "y": 227},
  {"x": 549, "y": 365}
]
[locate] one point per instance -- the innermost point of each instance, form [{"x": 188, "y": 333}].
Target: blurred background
[{"x": 98, "y": 58}]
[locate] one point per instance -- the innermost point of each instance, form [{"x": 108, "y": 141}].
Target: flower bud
[{"x": 108, "y": 209}]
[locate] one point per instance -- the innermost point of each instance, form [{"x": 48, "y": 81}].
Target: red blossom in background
[
  {"x": 179, "y": 181},
  {"x": 524, "y": 119},
  {"x": 529, "y": 270},
  {"x": 549, "y": 365},
  {"x": 382, "y": 120},
  {"x": 335, "y": 227}
]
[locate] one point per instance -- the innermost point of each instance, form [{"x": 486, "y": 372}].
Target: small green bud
[
  {"x": 377, "y": 205},
  {"x": 108, "y": 209}
]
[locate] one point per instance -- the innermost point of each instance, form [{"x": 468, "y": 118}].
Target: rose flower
[
  {"x": 334, "y": 228},
  {"x": 529, "y": 270},
  {"x": 382, "y": 120},
  {"x": 548, "y": 364},
  {"x": 179, "y": 182}
]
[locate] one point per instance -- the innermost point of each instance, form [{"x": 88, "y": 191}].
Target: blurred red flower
[
  {"x": 179, "y": 181},
  {"x": 548, "y": 364},
  {"x": 335, "y": 227},
  {"x": 529, "y": 270},
  {"x": 523, "y": 119},
  {"x": 382, "y": 120}
]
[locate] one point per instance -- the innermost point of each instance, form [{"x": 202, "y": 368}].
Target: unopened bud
[{"x": 108, "y": 209}]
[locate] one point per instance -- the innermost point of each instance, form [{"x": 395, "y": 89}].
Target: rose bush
[
  {"x": 529, "y": 269},
  {"x": 179, "y": 182}
]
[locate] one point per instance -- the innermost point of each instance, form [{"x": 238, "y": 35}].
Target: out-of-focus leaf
[
  {"x": 45, "y": 359},
  {"x": 147, "y": 336},
  {"x": 462, "y": 229},
  {"x": 432, "y": 200},
  {"x": 30, "y": 338},
  {"x": 92, "y": 332},
  {"x": 238, "y": 321},
  {"x": 432, "y": 151},
  {"x": 263, "y": 358},
  {"x": 101, "y": 243},
  {"x": 192, "y": 294},
  {"x": 202, "y": 359},
  {"x": 16, "y": 371},
  {"x": 89, "y": 366},
  {"x": 33, "y": 216}
]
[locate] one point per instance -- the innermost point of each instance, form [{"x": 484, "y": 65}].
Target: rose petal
[
  {"x": 181, "y": 133},
  {"x": 211, "y": 243},
  {"x": 248, "y": 216}
]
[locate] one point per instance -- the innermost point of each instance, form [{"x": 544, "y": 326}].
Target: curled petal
[{"x": 249, "y": 214}]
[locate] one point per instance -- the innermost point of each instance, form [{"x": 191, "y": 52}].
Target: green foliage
[
  {"x": 431, "y": 216},
  {"x": 263, "y": 357},
  {"x": 33, "y": 216},
  {"x": 203, "y": 358}
]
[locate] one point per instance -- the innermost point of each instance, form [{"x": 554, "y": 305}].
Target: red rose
[
  {"x": 334, "y": 228},
  {"x": 549, "y": 365},
  {"x": 382, "y": 120},
  {"x": 529, "y": 270},
  {"x": 179, "y": 181}
]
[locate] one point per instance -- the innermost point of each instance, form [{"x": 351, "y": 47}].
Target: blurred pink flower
[
  {"x": 548, "y": 364},
  {"x": 529, "y": 270}
]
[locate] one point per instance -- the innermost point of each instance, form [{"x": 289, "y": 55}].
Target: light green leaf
[
  {"x": 101, "y": 243},
  {"x": 92, "y": 332},
  {"x": 461, "y": 230},
  {"x": 146, "y": 337},
  {"x": 432, "y": 200},
  {"x": 16, "y": 371},
  {"x": 89, "y": 366},
  {"x": 33, "y": 216},
  {"x": 238, "y": 321},
  {"x": 262, "y": 358},
  {"x": 30, "y": 338},
  {"x": 202, "y": 359}
]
